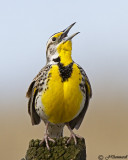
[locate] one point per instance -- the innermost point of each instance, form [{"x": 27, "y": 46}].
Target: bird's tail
[{"x": 55, "y": 130}]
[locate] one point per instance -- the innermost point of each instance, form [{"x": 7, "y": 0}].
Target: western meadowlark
[{"x": 60, "y": 93}]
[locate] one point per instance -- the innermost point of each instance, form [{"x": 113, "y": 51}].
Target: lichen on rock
[{"x": 58, "y": 150}]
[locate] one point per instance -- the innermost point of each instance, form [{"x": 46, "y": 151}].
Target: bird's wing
[
  {"x": 86, "y": 88},
  {"x": 32, "y": 92}
]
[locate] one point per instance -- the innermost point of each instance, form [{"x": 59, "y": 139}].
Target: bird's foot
[
  {"x": 46, "y": 139},
  {"x": 73, "y": 135}
]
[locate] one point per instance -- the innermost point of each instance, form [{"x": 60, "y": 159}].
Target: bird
[{"x": 60, "y": 93}]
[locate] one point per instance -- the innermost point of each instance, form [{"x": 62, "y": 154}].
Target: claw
[
  {"x": 50, "y": 139},
  {"x": 46, "y": 139},
  {"x": 73, "y": 135}
]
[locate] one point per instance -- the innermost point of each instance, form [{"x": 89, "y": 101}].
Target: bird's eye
[{"x": 54, "y": 39}]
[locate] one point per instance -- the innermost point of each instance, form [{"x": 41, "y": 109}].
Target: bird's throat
[
  {"x": 64, "y": 51},
  {"x": 65, "y": 58}
]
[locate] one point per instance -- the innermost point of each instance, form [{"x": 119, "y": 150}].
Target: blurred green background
[{"x": 101, "y": 49}]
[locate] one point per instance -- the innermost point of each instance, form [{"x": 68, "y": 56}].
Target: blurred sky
[{"x": 101, "y": 49}]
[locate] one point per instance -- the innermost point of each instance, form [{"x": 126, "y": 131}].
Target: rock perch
[{"x": 58, "y": 150}]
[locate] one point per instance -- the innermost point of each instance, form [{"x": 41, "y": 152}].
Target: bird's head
[{"x": 59, "y": 47}]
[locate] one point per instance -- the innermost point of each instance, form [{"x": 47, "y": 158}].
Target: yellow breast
[{"x": 62, "y": 100}]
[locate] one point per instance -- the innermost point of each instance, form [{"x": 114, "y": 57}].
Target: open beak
[
  {"x": 65, "y": 34},
  {"x": 70, "y": 37}
]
